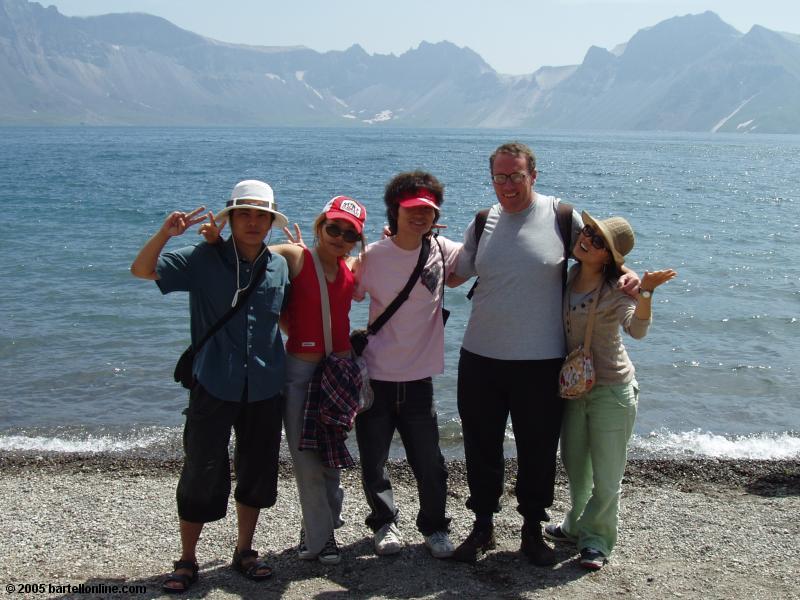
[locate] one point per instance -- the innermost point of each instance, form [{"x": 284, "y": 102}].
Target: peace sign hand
[
  {"x": 177, "y": 222},
  {"x": 297, "y": 238},
  {"x": 211, "y": 231}
]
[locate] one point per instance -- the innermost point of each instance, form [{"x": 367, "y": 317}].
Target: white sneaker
[
  {"x": 388, "y": 540},
  {"x": 439, "y": 544}
]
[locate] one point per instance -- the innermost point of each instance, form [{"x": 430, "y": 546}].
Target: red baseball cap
[
  {"x": 344, "y": 207},
  {"x": 421, "y": 197}
]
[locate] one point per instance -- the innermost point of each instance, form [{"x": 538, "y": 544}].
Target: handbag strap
[
  {"x": 594, "y": 300},
  {"x": 587, "y": 338},
  {"x": 324, "y": 302},
  {"x": 240, "y": 301},
  {"x": 424, "y": 253}
]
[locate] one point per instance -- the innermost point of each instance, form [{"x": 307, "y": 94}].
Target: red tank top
[{"x": 305, "y": 311}]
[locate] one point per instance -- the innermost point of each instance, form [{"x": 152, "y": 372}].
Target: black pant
[
  {"x": 408, "y": 408},
  {"x": 205, "y": 482},
  {"x": 488, "y": 391}
]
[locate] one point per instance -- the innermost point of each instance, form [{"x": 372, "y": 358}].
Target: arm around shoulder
[{"x": 294, "y": 255}]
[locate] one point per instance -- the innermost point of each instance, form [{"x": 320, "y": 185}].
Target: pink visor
[{"x": 419, "y": 198}]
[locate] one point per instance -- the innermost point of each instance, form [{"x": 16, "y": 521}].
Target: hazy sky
[{"x": 513, "y": 36}]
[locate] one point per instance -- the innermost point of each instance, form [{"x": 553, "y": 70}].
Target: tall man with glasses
[{"x": 512, "y": 352}]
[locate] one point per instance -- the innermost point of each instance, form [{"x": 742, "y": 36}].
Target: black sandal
[
  {"x": 251, "y": 572},
  {"x": 185, "y": 580}
]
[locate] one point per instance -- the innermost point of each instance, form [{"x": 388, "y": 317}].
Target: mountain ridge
[{"x": 690, "y": 72}]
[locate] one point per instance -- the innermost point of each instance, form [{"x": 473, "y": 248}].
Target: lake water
[{"x": 87, "y": 351}]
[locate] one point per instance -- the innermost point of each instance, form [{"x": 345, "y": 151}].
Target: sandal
[
  {"x": 251, "y": 569},
  {"x": 185, "y": 580}
]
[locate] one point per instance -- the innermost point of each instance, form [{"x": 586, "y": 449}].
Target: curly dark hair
[{"x": 404, "y": 184}]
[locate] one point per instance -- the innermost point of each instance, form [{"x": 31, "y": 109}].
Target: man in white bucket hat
[
  {"x": 257, "y": 195},
  {"x": 238, "y": 375}
]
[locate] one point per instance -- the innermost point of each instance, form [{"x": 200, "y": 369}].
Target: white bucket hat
[{"x": 256, "y": 195}]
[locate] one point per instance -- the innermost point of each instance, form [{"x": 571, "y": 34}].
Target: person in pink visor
[{"x": 402, "y": 357}]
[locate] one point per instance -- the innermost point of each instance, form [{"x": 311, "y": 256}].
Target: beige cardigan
[{"x": 611, "y": 361}]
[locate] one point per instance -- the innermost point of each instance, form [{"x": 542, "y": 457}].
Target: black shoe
[
  {"x": 592, "y": 559},
  {"x": 556, "y": 534},
  {"x": 478, "y": 542},
  {"x": 534, "y": 547},
  {"x": 330, "y": 555}
]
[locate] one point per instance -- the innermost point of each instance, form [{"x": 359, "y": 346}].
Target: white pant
[{"x": 318, "y": 486}]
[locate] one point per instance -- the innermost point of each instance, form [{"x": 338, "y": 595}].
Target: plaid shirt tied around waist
[{"x": 330, "y": 410}]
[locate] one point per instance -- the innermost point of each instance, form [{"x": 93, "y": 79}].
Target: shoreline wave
[{"x": 165, "y": 442}]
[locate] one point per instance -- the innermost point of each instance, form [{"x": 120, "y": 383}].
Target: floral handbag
[{"x": 577, "y": 373}]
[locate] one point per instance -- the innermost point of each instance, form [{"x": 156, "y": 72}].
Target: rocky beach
[{"x": 84, "y": 526}]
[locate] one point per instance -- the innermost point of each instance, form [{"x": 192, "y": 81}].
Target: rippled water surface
[{"x": 85, "y": 346}]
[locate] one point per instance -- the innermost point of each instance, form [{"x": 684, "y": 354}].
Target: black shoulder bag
[
  {"x": 183, "y": 368},
  {"x": 360, "y": 337}
]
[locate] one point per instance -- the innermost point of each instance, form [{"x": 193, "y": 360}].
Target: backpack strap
[
  {"x": 564, "y": 220},
  {"x": 480, "y": 225}
]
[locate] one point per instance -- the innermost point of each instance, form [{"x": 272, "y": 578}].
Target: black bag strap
[
  {"x": 480, "y": 224},
  {"x": 564, "y": 221},
  {"x": 424, "y": 252},
  {"x": 441, "y": 253},
  {"x": 241, "y": 301}
]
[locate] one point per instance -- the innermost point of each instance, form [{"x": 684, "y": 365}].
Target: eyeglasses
[
  {"x": 501, "y": 178},
  {"x": 349, "y": 236},
  {"x": 597, "y": 240}
]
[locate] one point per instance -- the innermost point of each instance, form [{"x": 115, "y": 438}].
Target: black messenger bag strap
[
  {"x": 241, "y": 301},
  {"x": 424, "y": 252}
]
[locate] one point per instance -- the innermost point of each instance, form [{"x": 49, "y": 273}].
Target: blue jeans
[
  {"x": 594, "y": 447},
  {"x": 405, "y": 406}
]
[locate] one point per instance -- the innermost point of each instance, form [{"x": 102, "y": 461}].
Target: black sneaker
[
  {"x": 556, "y": 534},
  {"x": 330, "y": 555},
  {"x": 592, "y": 559},
  {"x": 302, "y": 549}
]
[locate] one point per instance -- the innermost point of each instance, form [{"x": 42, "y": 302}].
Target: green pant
[{"x": 594, "y": 444}]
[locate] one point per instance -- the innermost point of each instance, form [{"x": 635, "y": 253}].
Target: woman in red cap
[{"x": 336, "y": 230}]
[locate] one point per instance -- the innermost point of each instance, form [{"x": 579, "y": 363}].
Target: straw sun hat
[{"x": 617, "y": 233}]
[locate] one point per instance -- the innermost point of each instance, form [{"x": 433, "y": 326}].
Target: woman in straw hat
[{"x": 598, "y": 425}]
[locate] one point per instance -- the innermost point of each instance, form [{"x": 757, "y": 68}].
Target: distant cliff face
[{"x": 692, "y": 73}]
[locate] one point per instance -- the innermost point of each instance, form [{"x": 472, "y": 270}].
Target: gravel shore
[{"x": 702, "y": 528}]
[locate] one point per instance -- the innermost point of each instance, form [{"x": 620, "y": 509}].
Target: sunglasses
[
  {"x": 597, "y": 240},
  {"x": 348, "y": 235}
]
